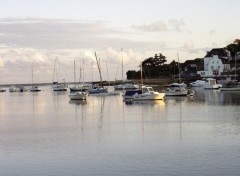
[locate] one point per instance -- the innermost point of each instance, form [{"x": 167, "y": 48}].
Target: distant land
[{"x": 155, "y": 81}]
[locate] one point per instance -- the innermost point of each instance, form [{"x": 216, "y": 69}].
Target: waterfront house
[
  {"x": 213, "y": 66},
  {"x": 216, "y": 62}
]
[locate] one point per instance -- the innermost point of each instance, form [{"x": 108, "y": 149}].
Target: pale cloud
[
  {"x": 40, "y": 41},
  {"x": 16, "y": 63},
  {"x": 211, "y": 32},
  {"x": 54, "y": 34},
  {"x": 188, "y": 45},
  {"x": 158, "y": 26},
  {"x": 200, "y": 51},
  {"x": 215, "y": 45},
  {"x": 161, "y": 26},
  {"x": 176, "y": 25}
]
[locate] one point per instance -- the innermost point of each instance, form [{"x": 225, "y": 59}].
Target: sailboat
[
  {"x": 231, "y": 85},
  {"x": 34, "y": 88},
  {"x": 147, "y": 93},
  {"x": 98, "y": 90},
  {"x": 177, "y": 89},
  {"x": 77, "y": 95},
  {"x": 125, "y": 85},
  {"x": 56, "y": 86},
  {"x": 81, "y": 86}
]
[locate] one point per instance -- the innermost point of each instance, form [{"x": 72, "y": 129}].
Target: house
[
  {"x": 190, "y": 67},
  {"x": 213, "y": 66},
  {"x": 222, "y": 53},
  {"x": 216, "y": 62}
]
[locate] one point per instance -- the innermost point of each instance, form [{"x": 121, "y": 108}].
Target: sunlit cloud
[
  {"x": 188, "y": 45},
  {"x": 40, "y": 41}
]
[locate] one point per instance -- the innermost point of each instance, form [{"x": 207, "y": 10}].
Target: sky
[{"x": 38, "y": 33}]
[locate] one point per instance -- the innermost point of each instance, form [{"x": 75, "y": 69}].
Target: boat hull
[
  {"x": 230, "y": 88},
  {"x": 129, "y": 93},
  {"x": 59, "y": 88},
  {"x": 78, "y": 96},
  {"x": 154, "y": 96},
  {"x": 177, "y": 93},
  {"x": 98, "y": 91}
]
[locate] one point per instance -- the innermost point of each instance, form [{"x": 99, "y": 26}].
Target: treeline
[{"x": 156, "y": 67}]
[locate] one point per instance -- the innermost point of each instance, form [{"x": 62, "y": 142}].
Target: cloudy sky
[{"x": 38, "y": 32}]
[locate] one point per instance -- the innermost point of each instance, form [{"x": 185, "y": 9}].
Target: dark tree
[
  {"x": 152, "y": 66},
  {"x": 155, "y": 61},
  {"x": 234, "y": 47}
]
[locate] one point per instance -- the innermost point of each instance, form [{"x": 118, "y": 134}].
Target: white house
[{"x": 213, "y": 66}]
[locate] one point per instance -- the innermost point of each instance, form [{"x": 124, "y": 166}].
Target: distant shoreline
[{"x": 160, "y": 81}]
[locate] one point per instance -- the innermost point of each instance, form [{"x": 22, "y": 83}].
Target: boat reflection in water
[
  {"x": 144, "y": 102},
  {"x": 217, "y": 97},
  {"x": 78, "y": 102}
]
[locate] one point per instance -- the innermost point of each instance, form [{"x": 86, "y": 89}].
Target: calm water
[{"x": 46, "y": 134}]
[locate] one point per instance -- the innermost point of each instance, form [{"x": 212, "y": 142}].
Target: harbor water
[{"x": 44, "y": 133}]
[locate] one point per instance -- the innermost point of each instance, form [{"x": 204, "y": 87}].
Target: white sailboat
[
  {"x": 177, "y": 89},
  {"x": 80, "y": 94},
  {"x": 80, "y": 86},
  {"x": 34, "y": 88},
  {"x": 125, "y": 85},
  {"x": 56, "y": 86},
  {"x": 98, "y": 90}
]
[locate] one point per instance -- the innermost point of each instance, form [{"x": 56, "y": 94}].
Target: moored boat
[
  {"x": 126, "y": 86},
  {"x": 176, "y": 92},
  {"x": 78, "y": 95},
  {"x": 129, "y": 93},
  {"x": 148, "y": 94},
  {"x": 34, "y": 89},
  {"x": 197, "y": 83},
  {"x": 59, "y": 87},
  {"x": 230, "y": 86},
  {"x": 211, "y": 83},
  {"x": 17, "y": 88},
  {"x": 177, "y": 85}
]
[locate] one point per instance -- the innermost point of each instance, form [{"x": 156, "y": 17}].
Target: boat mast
[
  {"x": 122, "y": 64},
  {"x": 32, "y": 74},
  {"x": 54, "y": 70},
  {"x": 179, "y": 70},
  {"x": 74, "y": 74},
  {"x": 141, "y": 73},
  {"x": 107, "y": 74},
  {"x": 98, "y": 64},
  {"x": 80, "y": 71},
  {"x": 92, "y": 70},
  {"x": 83, "y": 70},
  {"x": 235, "y": 65}
]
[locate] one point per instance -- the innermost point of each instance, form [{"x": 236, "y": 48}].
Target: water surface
[{"x": 44, "y": 133}]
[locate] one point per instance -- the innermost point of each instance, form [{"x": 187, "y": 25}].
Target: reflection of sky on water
[{"x": 45, "y": 132}]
